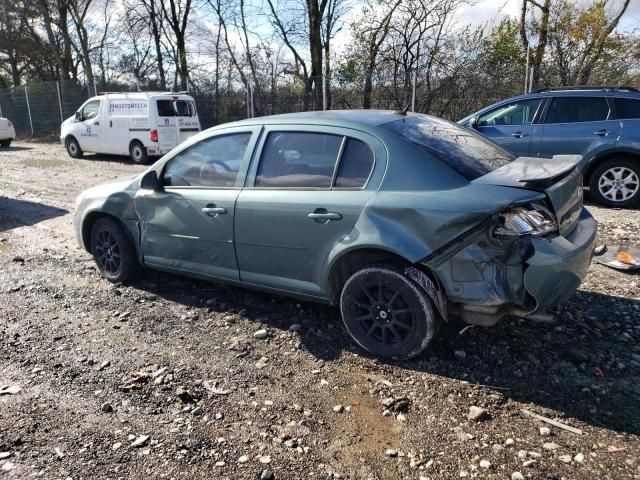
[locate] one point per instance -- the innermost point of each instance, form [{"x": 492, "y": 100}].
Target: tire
[
  {"x": 5, "y": 143},
  {"x": 138, "y": 153},
  {"x": 73, "y": 148},
  {"x": 388, "y": 314},
  {"x": 113, "y": 251},
  {"x": 616, "y": 183}
]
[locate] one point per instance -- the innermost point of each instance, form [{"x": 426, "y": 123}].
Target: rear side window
[
  {"x": 627, "y": 107},
  {"x": 356, "y": 164},
  {"x": 463, "y": 150},
  {"x": 175, "y": 108},
  {"x": 515, "y": 113},
  {"x": 298, "y": 160},
  {"x": 577, "y": 109},
  {"x": 213, "y": 162}
]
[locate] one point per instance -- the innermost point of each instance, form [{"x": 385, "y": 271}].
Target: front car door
[
  {"x": 90, "y": 135},
  {"x": 577, "y": 125},
  {"x": 303, "y": 194},
  {"x": 512, "y": 125},
  {"x": 188, "y": 226}
]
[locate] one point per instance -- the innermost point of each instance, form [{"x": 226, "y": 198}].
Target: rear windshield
[
  {"x": 466, "y": 152},
  {"x": 176, "y": 108}
]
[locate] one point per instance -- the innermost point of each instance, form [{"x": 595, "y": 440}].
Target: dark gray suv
[{"x": 600, "y": 123}]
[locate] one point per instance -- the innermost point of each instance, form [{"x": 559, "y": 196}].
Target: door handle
[
  {"x": 324, "y": 216},
  {"x": 214, "y": 211},
  {"x": 96, "y": 123},
  {"x": 601, "y": 133},
  {"x": 519, "y": 134}
]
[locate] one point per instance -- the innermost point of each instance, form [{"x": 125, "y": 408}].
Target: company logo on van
[{"x": 127, "y": 107}]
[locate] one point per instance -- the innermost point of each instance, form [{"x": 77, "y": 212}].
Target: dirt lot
[{"x": 166, "y": 379}]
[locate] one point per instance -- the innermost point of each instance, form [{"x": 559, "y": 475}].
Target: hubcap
[
  {"x": 137, "y": 153},
  {"x": 383, "y": 314},
  {"x": 618, "y": 184},
  {"x": 108, "y": 252},
  {"x": 72, "y": 147}
]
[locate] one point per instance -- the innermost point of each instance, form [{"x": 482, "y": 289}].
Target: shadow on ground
[
  {"x": 14, "y": 148},
  {"x": 17, "y": 213},
  {"x": 580, "y": 367}
]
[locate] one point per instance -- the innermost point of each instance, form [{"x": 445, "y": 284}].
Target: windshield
[
  {"x": 176, "y": 108},
  {"x": 463, "y": 150}
]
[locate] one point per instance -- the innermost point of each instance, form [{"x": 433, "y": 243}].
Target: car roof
[
  {"x": 576, "y": 92},
  {"x": 343, "y": 118}
]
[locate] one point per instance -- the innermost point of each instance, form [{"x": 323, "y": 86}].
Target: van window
[
  {"x": 90, "y": 110},
  {"x": 298, "y": 160},
  {"x": 176, "y": 108},
  {"x": 213, "y": 162}
]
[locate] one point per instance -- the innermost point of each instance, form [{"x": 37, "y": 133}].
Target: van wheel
[
  {"x": 73, "y": 148},
  {"x": 5, "y": 143},
  {"x": 616, "y": 183},
  {"x": 387, "y": 314},
  {"x": 113, "y": 251},
  {"x": 138, "y": 153}
]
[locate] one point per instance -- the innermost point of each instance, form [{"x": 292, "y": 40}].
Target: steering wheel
[{"x": 221, "y": 164}]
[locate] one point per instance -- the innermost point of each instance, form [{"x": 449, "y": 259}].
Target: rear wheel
[
  {"x": 6, "y": 143},
  {"x": 73, "y": 148},
  {"x": 113, "y": 251},
  {"x": 387, "y": 314},
  {"x": 138, "y": 153},
  {"x": 616, "y": 183}
]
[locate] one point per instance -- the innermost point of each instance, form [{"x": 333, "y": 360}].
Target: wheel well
[
  {"x": 351, "y": 262},
  {"x": 135, "y": 140},
  {"x": 69, "y": 137},
  {"x": 598, "y": 160},
  {"x": 88, "y": 224}
]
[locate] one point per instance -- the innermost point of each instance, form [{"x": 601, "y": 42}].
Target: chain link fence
[{"x": 38, "y": 109}]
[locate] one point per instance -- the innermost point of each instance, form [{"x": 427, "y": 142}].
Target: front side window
[
  {"x": 577, "y": 109},
  {"x": 213, "y": 162},
  {"x": 176, "y": 108},
  {"x": 515, "y": 113},
  {"x": 90, "y": 110},
  {"x": 627, "y": 108},
  {"x": 298, "y": 160}
]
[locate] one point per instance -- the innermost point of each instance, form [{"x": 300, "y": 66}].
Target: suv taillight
[{"x": 154, "y": 135}]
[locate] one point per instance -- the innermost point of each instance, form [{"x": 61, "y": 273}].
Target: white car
[
  {"x": 141, "y": 125},
  {"x": 7, "y": 132}
]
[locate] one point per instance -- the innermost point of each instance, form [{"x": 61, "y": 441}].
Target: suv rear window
[
  {"x": 175, "y": 108},
  {"x": 577, "y": 109},
  {"x": 466, "y": 152},
  {"x": 627, "y": 107}
]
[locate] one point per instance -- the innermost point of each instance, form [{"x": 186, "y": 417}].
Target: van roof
[{"x": 146, "y": 95}]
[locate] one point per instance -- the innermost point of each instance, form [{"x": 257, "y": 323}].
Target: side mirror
[
  {"x": 78, "y": 116},
  {"x": 473, "y": 122},
  {"x": 150, "y": 181}
]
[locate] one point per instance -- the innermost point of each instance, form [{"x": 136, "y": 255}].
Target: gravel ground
[{"x": 175, "y": 378}]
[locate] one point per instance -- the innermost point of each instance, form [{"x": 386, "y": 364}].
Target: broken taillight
[
  {"x": 536, "y": 221},
  {"x": 154, "y": 135}
]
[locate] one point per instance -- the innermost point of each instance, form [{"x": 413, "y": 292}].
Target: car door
[
  {"x": 91, "y": 136},
  {"x": 188, "y": 225},
  {"x": 577, "y": 125},
  {"x": 303, "y": 194},
  {"x": 511, "y": 125}
]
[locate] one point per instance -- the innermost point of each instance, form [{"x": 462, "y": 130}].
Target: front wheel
[
  {"x": 616, "y": 183},
  {"x": 387, "y": 314},
  {"x": 113, "y": 251},
  {"x": 73, "y": 148},
  {"x": 5, "y": 143},
  {"x": 138, "y": 153}
]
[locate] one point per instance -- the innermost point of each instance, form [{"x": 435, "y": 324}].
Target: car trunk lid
[{"x": 558, "y": 177}]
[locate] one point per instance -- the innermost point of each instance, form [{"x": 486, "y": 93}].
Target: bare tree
[{"x": 177, "y": 15}]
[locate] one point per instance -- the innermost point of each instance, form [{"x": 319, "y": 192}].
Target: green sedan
[{"x": 402, "y": 220}]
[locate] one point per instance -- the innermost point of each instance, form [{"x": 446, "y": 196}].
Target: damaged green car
[{"x": 403, "y": 220}]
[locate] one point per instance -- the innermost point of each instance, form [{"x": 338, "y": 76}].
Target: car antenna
[{"x": 404, "y": 110}]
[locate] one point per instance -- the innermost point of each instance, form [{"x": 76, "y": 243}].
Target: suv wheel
[
  {"x": 113, "y": 251},
  {"x": 616, "y": 183},
  {"x": 138, "y": 153},
  {"x": 387, "y": 314},
  {"x": 73, "y": 148}
]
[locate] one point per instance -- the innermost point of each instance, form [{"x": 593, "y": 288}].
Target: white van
[
  {"x": 7, "y": 132},
  {"x": 141, "y": 124}
]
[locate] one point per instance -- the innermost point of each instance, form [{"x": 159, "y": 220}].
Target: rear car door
[
  {"x": 303, "y": 194},
  {"x": 628, "y": 113},
  {"x": 577, "y": 125},
  {"x": 511, "y": 125},
  {"x": 188, "y": 226}
]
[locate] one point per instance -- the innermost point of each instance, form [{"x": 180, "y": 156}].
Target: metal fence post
[
  {"x": 248, "y": 100},
  {"x": 413, "y": 91},
  {"x": 26, "y": 94},
  {"x": 60, "y": 101},
  {"x": 324, "y": 91}
]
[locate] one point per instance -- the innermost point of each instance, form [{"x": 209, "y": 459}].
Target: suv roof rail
[{"x": 586, "y": 87}]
